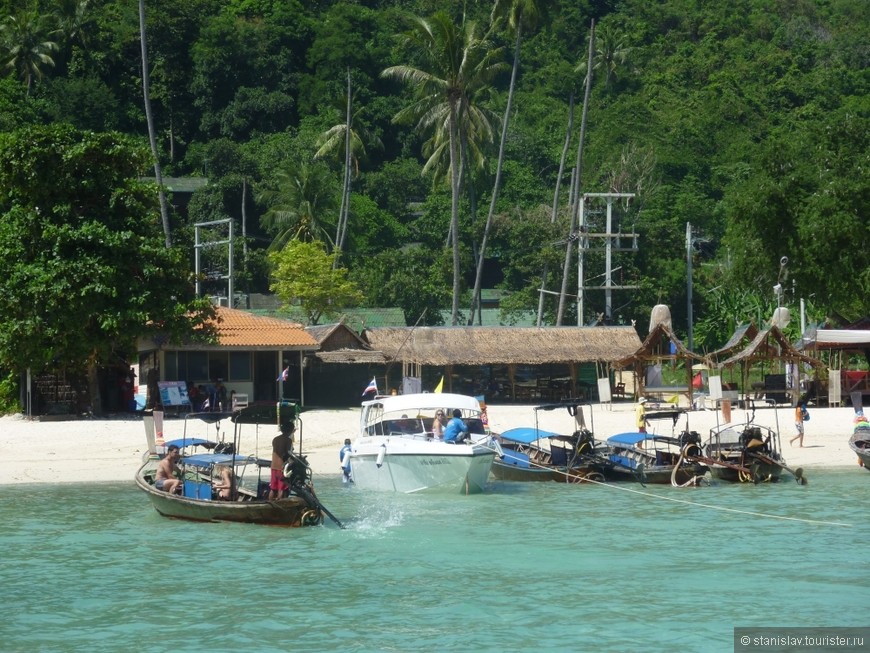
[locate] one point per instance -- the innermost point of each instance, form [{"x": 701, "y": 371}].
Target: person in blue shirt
[
  {"x": 456, "y": 430},
  {"x": 344, "y": 457}
]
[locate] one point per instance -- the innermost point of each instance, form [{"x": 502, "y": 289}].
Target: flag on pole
[
  {"x": 284, "y": 375},
  {"x": 440, "y": 387},
  {"x": 371, "y": 387}
]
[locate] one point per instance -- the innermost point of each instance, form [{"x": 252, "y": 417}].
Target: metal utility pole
[
  {"x": 689, "y": 281},
  {"x": 612, "y": 242},
  {"x": 200, "y": 244}
]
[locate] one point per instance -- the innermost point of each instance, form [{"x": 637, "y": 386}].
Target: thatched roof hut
[
  {"x": 444, "y": 346},
  {"x": 449, "y": 347},
  {"x": 660, "y": 345}
]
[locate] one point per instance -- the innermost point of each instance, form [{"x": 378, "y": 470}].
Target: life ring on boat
[{"x": 311, "y": 517}]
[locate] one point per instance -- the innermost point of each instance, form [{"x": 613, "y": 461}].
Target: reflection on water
[{"x": 522, "y": 567}]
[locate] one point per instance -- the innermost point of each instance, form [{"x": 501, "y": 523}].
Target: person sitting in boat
[
  {"x": 456, "y": 430},
  {"x": 168, "y": 472},
  {"x": 438, "y": 424},
  {"x": 223, "y": 482},
  {"x": 344, "y": 457},
  {"x": 282, "y": 445}
]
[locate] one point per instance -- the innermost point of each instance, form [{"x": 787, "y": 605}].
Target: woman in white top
[{"x": 438, "y": 425}]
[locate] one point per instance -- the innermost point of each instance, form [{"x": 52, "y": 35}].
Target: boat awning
[
  {"x": 209, "y": 459},
  {"x": 527, "y": 434},
  {"x": 628, "y": 438},
  {"x": 181, "y": 443}
]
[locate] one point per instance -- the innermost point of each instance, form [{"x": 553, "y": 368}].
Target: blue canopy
[
  {"x": 192, "y": 442},
  {"x": 209, "y": 459},
  {"x": 527, "y": 434},
  {"x": 630, "y": 439}
]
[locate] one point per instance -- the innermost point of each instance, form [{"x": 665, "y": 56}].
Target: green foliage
[
  {"x": 83, "y": 269},
  {"x": 304, "y": 273},
  {"x": 9, "y": 397}
]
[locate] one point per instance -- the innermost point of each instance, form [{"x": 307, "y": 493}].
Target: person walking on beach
[
  {"x": 168, "y": 471},
  {"x": 800, "y": 413},
  {"x": 282, "y": 445},
  {"x": 640, "y": 416},
  {"x": 344, "y": 457}
]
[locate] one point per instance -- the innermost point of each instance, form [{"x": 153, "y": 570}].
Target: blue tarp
[
  {"x": 191, "y": 442},
  {"x": 527, "y": 434},
  {"x": 629, "y": 438},
  {"x": 209, "y": 459}
]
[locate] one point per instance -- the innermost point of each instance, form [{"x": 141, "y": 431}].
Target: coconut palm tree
[
  {"x": 26, "y": 45},
  {"x": 611, "y": 54},
  {"x": 297, "y": 204},
  {"x": 456, "y": 64},
  {"x": 149, "y": 117},
  {"x": 351, "y": 143},
  {"x": 517, "y": 14}
]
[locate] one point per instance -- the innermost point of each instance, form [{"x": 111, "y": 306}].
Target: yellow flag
[{"x": 440, "y": 386}]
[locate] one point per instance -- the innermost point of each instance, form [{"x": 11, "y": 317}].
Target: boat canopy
[
  {"x": 267, "y": 414},
  {"x": 181, "y": 443},
  {"x": 209, "y": 459},
  {"x": 527, "y": 434},
  {"x": 629, "y": 438},
  {"x": 209, "y": 417},
  {"x": 424, "y": 401}
]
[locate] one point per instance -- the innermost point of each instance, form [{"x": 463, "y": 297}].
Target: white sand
[{"x": 111, "y": 449}]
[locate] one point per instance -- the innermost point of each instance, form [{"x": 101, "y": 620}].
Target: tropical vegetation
[{"x": 427, "y": 147}]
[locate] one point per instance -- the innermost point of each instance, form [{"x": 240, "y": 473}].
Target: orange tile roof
[{"x": 242, "y": 329}]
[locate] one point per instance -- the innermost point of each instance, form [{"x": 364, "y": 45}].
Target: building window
[{"x": 240, "y": 366}]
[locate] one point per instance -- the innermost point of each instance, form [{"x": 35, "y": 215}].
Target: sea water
[{"x": 522, "y": 567}]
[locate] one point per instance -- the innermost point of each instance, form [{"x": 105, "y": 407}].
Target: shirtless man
[
  {"x": 282, "y": 445},
  {"x": 167, "y": 470}
]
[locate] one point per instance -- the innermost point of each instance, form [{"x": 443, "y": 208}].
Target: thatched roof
[
  {"x": 769, "y": 344},
  {"x": 352, "y": 356},
  {"x": 656, "y": 346},
  {"x": 443, "y": 346},
  {"x": 741, "y": 333}
]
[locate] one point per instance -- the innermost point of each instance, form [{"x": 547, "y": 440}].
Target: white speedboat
[{"x": 395, "y": 450}]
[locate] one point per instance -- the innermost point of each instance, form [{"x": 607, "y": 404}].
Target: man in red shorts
[{"x": 282, "y": 445}]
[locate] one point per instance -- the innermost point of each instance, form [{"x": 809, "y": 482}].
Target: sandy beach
[{"x": 97, "y": 450}]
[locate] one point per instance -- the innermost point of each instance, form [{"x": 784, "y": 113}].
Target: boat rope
[
  {"x": 720, "y": 508},
  {"x": 594, "y": 478},
  {"x": 694, "y": 481}
]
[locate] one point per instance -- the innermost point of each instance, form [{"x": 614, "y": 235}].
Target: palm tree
[
  {"x": 578, "y": 170},
  {"x": 25, "y": 45},
  {"x": 517, "y": 13},
  {"x": 296, "y": 205},
  {"x": 611, "y": 54},
  {"x": 149, "y": 117},
  {"x": 458, "y": 64},
  {"x": 343, "y": 137}
]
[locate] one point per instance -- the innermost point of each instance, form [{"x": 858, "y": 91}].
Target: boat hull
[
  {"x": 464, "y": 471},
  {"x": 292, "y": 511},
  {"x": 658, "y": 474},
  {"x": 860, "y": 444},
  {"x": 760, "y": 472}
]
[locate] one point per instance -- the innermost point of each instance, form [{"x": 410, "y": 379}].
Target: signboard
[{"x": 173, "y": 393}]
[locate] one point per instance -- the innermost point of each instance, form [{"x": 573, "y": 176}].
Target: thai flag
[
  {"x": 371, "y": 387},
  {"x": 284, "y": 375}
]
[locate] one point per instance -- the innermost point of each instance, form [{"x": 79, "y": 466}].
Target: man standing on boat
[
  {"x": 282, "y": 445},
  {"x": 456, "y": 430},
  {"x": 640, "y": 415}
]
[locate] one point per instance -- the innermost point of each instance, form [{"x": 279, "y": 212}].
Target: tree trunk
[
  {"x": 478, "y": 277},
  {"x": 341, "y": 231},
  {"x": 579, "y": 170},
  {"x": 152, "y": 137},
  {"x": 556, "y": 199},
  {"x": 94, "y": 387},
  {"x": 454, "y": 212}
]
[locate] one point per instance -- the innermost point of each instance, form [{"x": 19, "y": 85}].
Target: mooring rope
[{"x": 576, "y": 478}]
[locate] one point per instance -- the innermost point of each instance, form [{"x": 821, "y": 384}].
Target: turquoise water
[{"x": 524, "y": 567}]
